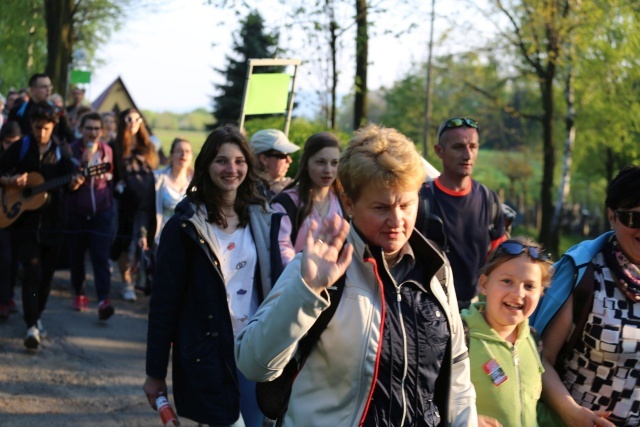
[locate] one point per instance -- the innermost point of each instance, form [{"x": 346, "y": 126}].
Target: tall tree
[
  {"x": 78, "y": 24},
  {"x": 362, "y": 57},
  {"x": 60, "y": 36},
  {"x": 252, "y": 42},
  {"x": 536, "y": 32}
]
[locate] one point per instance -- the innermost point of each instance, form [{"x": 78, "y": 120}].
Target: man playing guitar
[{"x": 37, "y": 235}]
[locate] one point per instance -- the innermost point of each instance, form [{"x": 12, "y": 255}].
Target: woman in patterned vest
[{"x": 595, "y": 379}]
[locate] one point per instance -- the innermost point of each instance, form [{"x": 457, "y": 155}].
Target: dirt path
[{"x": 86, "y": 372}]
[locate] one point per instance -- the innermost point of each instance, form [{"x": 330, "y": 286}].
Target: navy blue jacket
[{"x": 189, "y": 308}]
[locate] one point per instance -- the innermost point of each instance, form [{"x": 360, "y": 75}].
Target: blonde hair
[
  {"x": 380, "y": 156},
  {"x": 497, "y": 260}
]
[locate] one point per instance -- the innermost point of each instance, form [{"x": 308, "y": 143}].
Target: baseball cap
[{"x": 272, "y": 139}]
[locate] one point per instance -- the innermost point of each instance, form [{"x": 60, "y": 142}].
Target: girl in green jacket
[{"x": 506, "y": 370}]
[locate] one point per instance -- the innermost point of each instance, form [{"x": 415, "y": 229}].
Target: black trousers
[{"x": 39, "y": 264}]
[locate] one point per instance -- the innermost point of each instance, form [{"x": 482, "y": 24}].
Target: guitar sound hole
[{"x": 27, "y": 192}]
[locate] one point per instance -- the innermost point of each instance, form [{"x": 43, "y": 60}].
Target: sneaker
[
  {"x": 32, "y": 340},
  {"x": 41, "y": 329},
  {"x": 105, "y": 310},
  {"x": 4, "y": 312},
  {"x": 13, "y": 308},
  {"x": 81, "y": 303},
  {"x": 128, "y": 293}
]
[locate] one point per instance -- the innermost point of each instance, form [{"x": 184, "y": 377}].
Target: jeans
[{"x": 92, "y": 233}]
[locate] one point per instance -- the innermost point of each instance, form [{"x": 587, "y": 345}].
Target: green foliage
[
  {"x": 252, "y": 42},
  {"x": 23, "y": 42},
  {"x": 23, "y": 36},
  {"x": 166, "y": 136}
]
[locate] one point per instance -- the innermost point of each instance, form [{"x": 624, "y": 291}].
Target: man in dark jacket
[
  {"x": 37, "y": 233},
  {"x": 90, "y": 216},
  {"x": 40, "y": 88}
]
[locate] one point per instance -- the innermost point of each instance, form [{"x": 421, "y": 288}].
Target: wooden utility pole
[{"x": 428, "y": 89}]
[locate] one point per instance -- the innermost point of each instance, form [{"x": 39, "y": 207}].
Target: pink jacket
[{"x": 288, "y": 249}]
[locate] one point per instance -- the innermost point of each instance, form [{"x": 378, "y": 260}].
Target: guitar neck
[{"x": 53, "y": 183}]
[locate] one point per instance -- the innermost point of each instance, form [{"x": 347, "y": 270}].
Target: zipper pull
[{"x": 398, "y": 296}]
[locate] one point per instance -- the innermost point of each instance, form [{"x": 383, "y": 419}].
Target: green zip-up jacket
[{"x": 512, "y": 403}]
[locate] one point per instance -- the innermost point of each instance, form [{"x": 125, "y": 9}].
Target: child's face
[{"x": 512, "y": 290}]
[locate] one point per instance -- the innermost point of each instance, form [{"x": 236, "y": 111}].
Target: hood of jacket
[
  {"x": 567, "y": 273},
  {"x": 259, "y": 223}
]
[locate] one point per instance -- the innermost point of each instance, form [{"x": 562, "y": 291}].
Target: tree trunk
[
  {"x": 565, "y": 180},
  {"x": 59, "y": 20},
  {"x": 333, "y": 29},
  {"x": 546, "y": 200},
  {"x": 362, "y": 47},
  {"x": 429, "y": 89}
]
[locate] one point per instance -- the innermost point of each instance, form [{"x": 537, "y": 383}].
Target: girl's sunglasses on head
[
  {"x": 512, "y": 247},
  {"x": 630, "y": 219}
]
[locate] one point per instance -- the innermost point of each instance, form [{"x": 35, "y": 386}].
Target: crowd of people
[
  {"x": 77, "y": 181},
  {"x": 365, "y": 290}
]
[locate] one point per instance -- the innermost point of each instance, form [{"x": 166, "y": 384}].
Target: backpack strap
[
  {"x": 26, "y": 142},
  {"x": 423, "y": 208},
  {"x": 292, "y": 212},
  {"x": 582, "y": 304},
  {"x": 274, "y": 254},
  {"x": 313, "y": 335},
  {"x": 22, "y": 109},
  {"x": 494, "y": 206}
]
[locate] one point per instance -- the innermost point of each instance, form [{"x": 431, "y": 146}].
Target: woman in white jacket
[{"x": 394, "y": 352}]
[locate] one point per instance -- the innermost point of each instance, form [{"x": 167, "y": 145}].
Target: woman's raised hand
[{"x": 325, "y": 259}]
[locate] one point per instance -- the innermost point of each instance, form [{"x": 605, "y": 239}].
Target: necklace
[{"x": 323, "y": 207}]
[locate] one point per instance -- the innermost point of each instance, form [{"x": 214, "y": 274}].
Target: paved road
[{"x": 86, "y": 372}]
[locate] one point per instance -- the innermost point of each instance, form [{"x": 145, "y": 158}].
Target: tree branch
[{"x": 512, "y": 111}]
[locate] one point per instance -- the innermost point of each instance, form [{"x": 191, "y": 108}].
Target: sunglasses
[
  {"x": 130, "y": 119},
  {"x": 512, "y": 247},
  {"x": 457, "y": 122},
  {"x": 277, "y": 154},
  {"x": 630, "y": 219}
]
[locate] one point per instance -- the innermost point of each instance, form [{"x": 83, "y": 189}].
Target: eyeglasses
[
  {"x": 513, "y": 247},
  {"x": 630, "y": 219},
  {"x": 457, "y": 122},
  {"x": 277, "y": 154},
  {"x": 130, "y": 119}
]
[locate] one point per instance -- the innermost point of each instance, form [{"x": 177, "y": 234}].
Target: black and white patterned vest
[{"x": 603, "y": 371}]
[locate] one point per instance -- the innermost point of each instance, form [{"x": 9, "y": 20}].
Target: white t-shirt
[{"x": 238, "y": 257}]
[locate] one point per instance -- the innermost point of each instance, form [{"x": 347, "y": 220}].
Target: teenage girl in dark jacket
[{"x": 214, "y": 267}]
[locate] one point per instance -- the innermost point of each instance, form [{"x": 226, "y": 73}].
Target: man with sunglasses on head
[
  {"x": 458, "y": 213},
  {"x": 273, "y": 149}
]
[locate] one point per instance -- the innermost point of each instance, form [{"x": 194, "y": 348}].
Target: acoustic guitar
[{"x": 31, "y": 197}]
